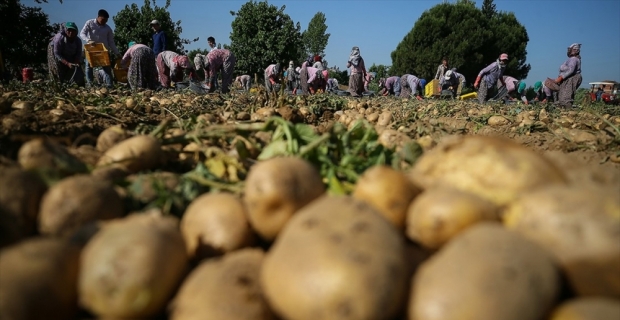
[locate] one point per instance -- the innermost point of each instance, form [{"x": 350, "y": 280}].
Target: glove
[
  {"x": 311, "y": 90},
  {"x": 559, "y": 80},
  {"x": 477, "y": 83},
  {"x": 272, "y": 81},
  {"x": 419, "y": 98}
]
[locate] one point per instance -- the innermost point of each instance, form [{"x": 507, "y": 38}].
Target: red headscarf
[
  {"x": 317, "y": 58},
  {"x": 181, "y": 62}
]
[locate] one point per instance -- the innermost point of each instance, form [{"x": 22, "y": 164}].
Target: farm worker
[
  {"x": 318, "y": 62},
  {"x": 212, "y": 46},
  {"x": 322, "y": 82},
  {"x": 303, "y": 76},
  {"x": 308, "y": 63},
  {"x": 489, "y": 76},
  {"x": 245, "y": 81},
  {"x": 171, "y": 67},
  {"x": 332, "y": 85},
  {"x": 290, "y": 77},
  {"x": 142, "y": 72},
  {"x": 159, "y": 38},
  {"x": 409, "y": 86},
  {"x": 569, "y": 78},
  {"x": 313, "y": 82},
  {"x": 513, "y": 87},
  {"x": 367, "y": 79},
  {"x": 449, "y": 81},
  {"x": 442, "y": 69},
  {"x": 97, "y": 31},
  {"x": 220, "y": 60},
  {"x": 200, "y": 63},
  {"x": 390, "y": 85},
  {"x": 357, "y": 72},
  {"x": 272, "y": 76},
  {"x": 101, "y": 76},
  {"x": 543, "y": 94},
  {"x": 461, "y": 80},
  {"x": 64, "y": 53}
]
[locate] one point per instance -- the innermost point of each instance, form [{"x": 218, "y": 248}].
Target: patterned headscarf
[
  {"x": 381, "y": 82},
  {"x": 276, "y": 69},
  {"x": 182, "y": 62},
  {"x": 199, "y": 61},
  {"x": 574, "y": 49},
  {"x": 355, "y": 56}
]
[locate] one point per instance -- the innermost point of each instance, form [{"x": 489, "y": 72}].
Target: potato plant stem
[{"x": 235, "y": 188}]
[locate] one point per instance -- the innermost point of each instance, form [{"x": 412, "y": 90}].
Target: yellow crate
[
  {"x": 97, "y": 55},
  {"x": 432, "y": 88},
  {"x": 120, "y": 75},
  {"x": 471, "y": 95}
]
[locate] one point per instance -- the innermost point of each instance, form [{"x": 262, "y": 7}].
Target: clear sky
[{"x": 378, "y": 26}]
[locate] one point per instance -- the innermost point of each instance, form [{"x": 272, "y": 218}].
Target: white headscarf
[{"x": 355, "y": 57}]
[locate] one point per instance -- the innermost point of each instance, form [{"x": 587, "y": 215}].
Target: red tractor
[{"x": 605, "y": 91}]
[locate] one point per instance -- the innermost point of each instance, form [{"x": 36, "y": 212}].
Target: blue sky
[{"x": 378, "y": 26}]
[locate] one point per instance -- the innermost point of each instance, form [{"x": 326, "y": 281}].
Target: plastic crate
[
  {"x": 471, "y": 95},
  {"x": 432, "y": 88},
  {"x": 97, "y": 55},
  {"x": 120, "y": 74}
]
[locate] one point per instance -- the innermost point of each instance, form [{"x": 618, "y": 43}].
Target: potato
[
  {"x": 215, "y": 224},
  {"x": 387, "y": 190},
  {"x": 75, "y": 201},
  {"x": 579, "y": 172},
  {"x": 223, "y": 289},
  {"x": 275, "y": 189},
  {"x": 581, "y": 227},
  {"x": 131, "y": 267},
  {"x": 38, "y": 280},
  {"x": 336, "y": 259},
  {"x": 486, "y": 272},
  {"x": 46, "y": 155},
  {"x": 133, "y": 155},
  {"x": 145, "y": 187},
  {"x": 20, "y": 196},
  {"x": 439, "y": 214},
  {"x": 496, "y": 169},
  {"x": 596, "y": 308},
  {"x": 110, "y": 137}
]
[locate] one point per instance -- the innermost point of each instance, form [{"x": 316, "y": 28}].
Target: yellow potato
[
  {"x": 226, "y": 288},
  {"x": 20, "y": 196},
  {"x": 46, "y": 155},
  {"x": 595, "y": 308},
  {"x": 336, "y": 259},
  {"x": 496, "y": 169},
  {"x": 439, "y": 214},
  {"x": 133, "y": 155},
  {"x": 387, "y": 190},
  {"x": 110, "y": 137}
]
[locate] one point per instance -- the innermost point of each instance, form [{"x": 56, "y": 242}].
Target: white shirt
[{"x": 98, "y": 33}]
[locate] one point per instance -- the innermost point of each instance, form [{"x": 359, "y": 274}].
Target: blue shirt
[{"x": 159, "y": 42}]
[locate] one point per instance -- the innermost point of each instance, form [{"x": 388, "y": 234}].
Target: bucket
[{"x": 27, "y": 74}]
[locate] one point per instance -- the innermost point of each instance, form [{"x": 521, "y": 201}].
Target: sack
[{"x": 550, "y": 83}]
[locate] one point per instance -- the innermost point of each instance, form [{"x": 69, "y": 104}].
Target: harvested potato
[
  {"x": 214, "y": 224},
  {"x": 439, "y": 214},
  {"x": 486, "y": 272},
  {"x": 387, "y": 190},
  {"x": 110, "y": 137},
  {"x": 275, "y": 189},
  {"x": 579, "y": 172},
  {"x": 133, "y": 155},
  {"x": 595, "y": 308},
  {"x": 336, "y": 259},
  {"x": 38, "y": 280},
  {"x": 75, "y": 201},
  {"x": 581, "y": 227},
  {"x": 131, "y": 267},
  {"x": 223, "y": 289},
  {"x": 20, "y": 196},
  {"x": 144, "y": 187},
  {"x": 494, "y": 168},
  {"x": 46, "y": 155}
]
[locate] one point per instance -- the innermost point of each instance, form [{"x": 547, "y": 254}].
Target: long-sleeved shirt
[
  {"x": 570, "y": 67},
  {"x": 511, "y": 83},
  {"x": 99, "y": 33},
  {"x": 459, "y": 76},
  {"x": 441, "y": 71},
  {"x": 64, "y": 49},
  {"x": 129, "y": 53},
  {"x": 390, "y": 82},
  {"x": 413, "y": 83},
  {"x": 159, "y": 42},
  {"x": 312, "y": 74},
  {"x": 243, "y": 79},
  {"x": 216, "y": 59},
  {"x": 360, "y": 68},
  {"x": 332, "y": 84},
  {"x": 492, "y": 73}
]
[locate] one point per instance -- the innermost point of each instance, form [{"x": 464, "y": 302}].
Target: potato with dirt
[
  {"x": 110, "y": 137},
  {"x": 225, "y": 288},
  {"x": 132, "y": 266},
  {"x": 38, "y": 280},
  {"x": 580, "y": 226},
  {"x": 496, "y": 169},
  {"x": 215, "y": 224},
  {"x": 595, "y": 308},
  {"x": 76, "y": 201},
  {"x": 439, "y": 214},
  {"x": 20, "y": 197},
  {"x": 387, "y": 190},
  {"x": 45, "y": 155},
  {"x": 336, "y": 259},
  {"x": 133, "y": 155},
  {"x": 275, "y": 189}
]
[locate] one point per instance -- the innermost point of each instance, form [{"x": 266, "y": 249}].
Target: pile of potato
[{"x": 480, "y": 228}]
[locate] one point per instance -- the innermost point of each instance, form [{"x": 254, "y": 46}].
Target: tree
[
  {"x": 262, "y": 35},
  {"x": 28, "y": 47},
  {"x": 133, "y": 24},
  {"x": 381, "y": 70},
  {"x": 315, "y": 39},
  {"x": 463, "y": 34},
  {"x": 341, "y": 76},
  {"x": 488, "y": 9}
]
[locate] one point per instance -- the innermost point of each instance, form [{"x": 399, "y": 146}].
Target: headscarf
[
  {"x": 448, "y": 75},
  {"x": 199, "y": 61},
  {"x": 422, "y": 83},
  {"x": 317, "y": 58},
  {"x": 276, "y": 69},
  {"x": 181, "y": 62},
  {"x": 131, "y": 43},
  {"x": 298, "y": 69},
  {"x": 537, "y": 86},
  {"x": 290, "y": 64},
  {"x": 381, "y": 82},
  {"x": 310, "y": 60},
  {"x": 355, "y": 57},
  {"x": 521, "y": 87},
  {"x": 574, "y": 50}
]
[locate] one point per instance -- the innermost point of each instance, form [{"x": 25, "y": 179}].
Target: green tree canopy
[
  {"x": 381, "y": 70},
  {"x": 28, "y": 47},
  {"x": 315, "y": 39},
  {"x": 262, "y": 34},
  {"x": 132, "y": 23},
  {"x": 469, "y": 39}
]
